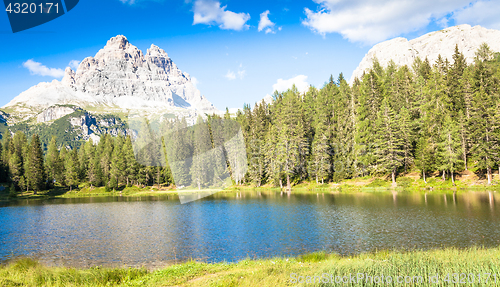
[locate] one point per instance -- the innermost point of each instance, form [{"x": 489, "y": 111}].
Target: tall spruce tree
[
  {"x": 450, "y": 148},
  {"x": 389, "y": 142},
  {"x": 483, "y": 122},
  {"x": 71, "y": 165},
  {"x": 53, "y": 164},
  {"x": 201, "y": 169},
  {"x": 35, "y": 172},
  {"x": 292, "y": 146}
]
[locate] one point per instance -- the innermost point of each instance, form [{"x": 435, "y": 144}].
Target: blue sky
[{"x": 238, "y": 51}]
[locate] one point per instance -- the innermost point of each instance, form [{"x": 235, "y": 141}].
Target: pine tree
[
  {"x": 201, "y": 170},
  {"x": 178, "y": 144},
  {"x": 342, "y": 130},
  {"x": 94, "y": 173},
  {"x": 106, "y": 148},
  {"x": 16, "y": 161},
  {"x": 118, "y": 163},
  {"x": 450, "y": 148},
  {"x": 63, "y": 154},
  {"x": 407, "y": 138},
  {"x": 370, "y": 96},
  {"x": 35, "y": 172},
  {"x": 132, "y": 166},
  {"x": 6, "y": 152},
  {"x": 388, "y": 141},
  {"x": 321, "y": 162},
  {"x": 256, "y": 156},
  {"x": 292, "y": 146},
  {"x": 53, "y": 164},
  {"x": 424, "y": 156},
  {"x": 455, "y": 83},
  {"x": 273, "y": 168},
  {"x": 482, "y": 123},
  {"x": 15, "y": 169},
  {"x": 71, "y": 168}
]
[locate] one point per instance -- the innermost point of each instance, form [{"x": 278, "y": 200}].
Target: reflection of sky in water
[{"x": 231, "y": 227}]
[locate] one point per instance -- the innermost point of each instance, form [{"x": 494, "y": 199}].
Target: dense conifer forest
[{"x": 442, "y": 116}]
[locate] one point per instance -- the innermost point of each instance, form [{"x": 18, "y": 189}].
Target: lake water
[{"x": 155, "y": 231}]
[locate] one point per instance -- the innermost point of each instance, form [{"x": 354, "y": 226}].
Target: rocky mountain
[
  {"x": 404, "y": 52},
  {"x": 97, "y": 98},
  {"x": 120, "y": 76}
]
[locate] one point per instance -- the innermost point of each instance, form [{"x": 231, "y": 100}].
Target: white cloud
[
  {"x": 241, "y": 73},
  {"x": 36, "y": 68},
  {"x": 73, "y": 64},
  {"x": 266, "y": 23},
  {"x": 230, "y": 75},
  {"x": 210, "y": 12},
  {"x": 484, "y": 13},
  {"x": 300, "y": 82},
  {"x": 370, "y": 21}
]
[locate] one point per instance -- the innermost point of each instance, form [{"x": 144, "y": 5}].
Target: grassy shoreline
[
  {"x": 417, "y": 265},
  {"x": 408, "y": 183}
]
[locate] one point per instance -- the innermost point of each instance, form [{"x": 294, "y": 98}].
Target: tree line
[{"x": 110, "y": 163}]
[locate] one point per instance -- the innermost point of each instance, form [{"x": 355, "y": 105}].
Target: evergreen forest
[{"x": 431, "y": 117}]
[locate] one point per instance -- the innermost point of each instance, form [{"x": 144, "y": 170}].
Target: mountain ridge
[
  {"x": 119, "y": 75},
  {"x": 403, "y": 51}
]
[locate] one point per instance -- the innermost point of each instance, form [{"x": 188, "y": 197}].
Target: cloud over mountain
[{"x": 210, "y": 12}]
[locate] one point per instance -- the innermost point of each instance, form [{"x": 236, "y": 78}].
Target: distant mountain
[
  {"x": 404, "y": 52},
  {"x": 119, "y": 76},
  {"x": 102, "y": 93}
]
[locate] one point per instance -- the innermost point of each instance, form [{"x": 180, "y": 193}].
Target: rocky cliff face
[
  {"x": 54, "y": 113},
  {"x": 120, "y": 75},
  {"x": 404, "y": 52}
]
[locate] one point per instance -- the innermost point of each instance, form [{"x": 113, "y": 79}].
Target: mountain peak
[
  {"x": 155, "y": 51},
  {"x": 121, "y": 75},
  {"x": 118, "y": 42}
]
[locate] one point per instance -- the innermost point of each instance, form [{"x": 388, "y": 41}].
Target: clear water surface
[{"x": 155, "y": 231}]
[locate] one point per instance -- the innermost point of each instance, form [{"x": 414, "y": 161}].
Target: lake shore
[
  {"x": 422, "y": 268},
  {"x": 409, "y": 183}
]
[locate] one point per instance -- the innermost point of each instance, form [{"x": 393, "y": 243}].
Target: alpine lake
[{"x": 155, "y": 231}]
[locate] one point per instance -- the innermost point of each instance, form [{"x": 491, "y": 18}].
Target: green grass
[
  {"x": 274, "y": 271},
  {"x": 375, "y": 184},
  {"x": 85, "y": 190}
]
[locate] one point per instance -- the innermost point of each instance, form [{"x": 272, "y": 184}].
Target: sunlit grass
[{"x": 274, "y": 271}]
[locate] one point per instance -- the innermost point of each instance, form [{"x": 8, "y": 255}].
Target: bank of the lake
[
  {"x": 466, "y": 180},
  {"x": 86, "y": 191},
  {"x": 411, "y": 182},
  {"x": 472, "y": 265}
]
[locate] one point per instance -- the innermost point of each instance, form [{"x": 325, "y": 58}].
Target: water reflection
[{"x": 154, "y": 231}]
